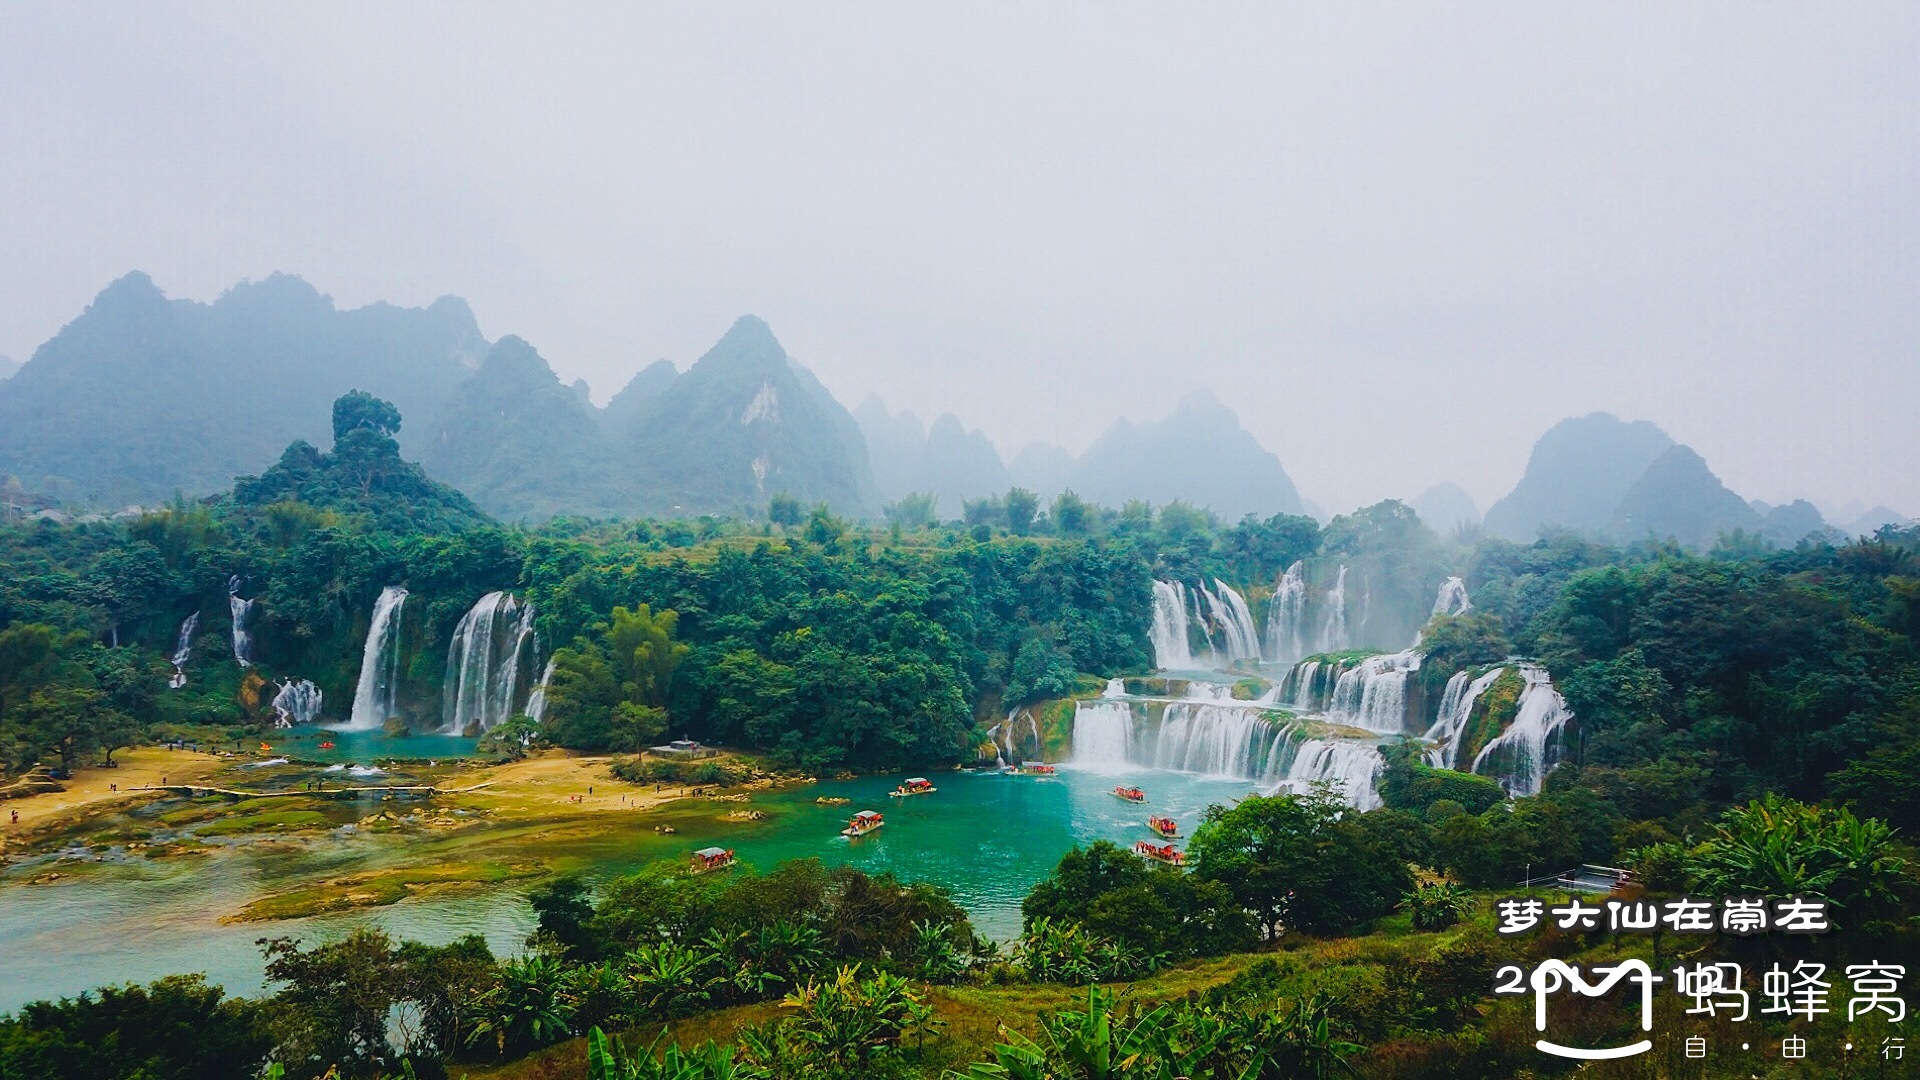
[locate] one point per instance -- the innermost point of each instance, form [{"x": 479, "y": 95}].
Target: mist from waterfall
[
  {"x": 183, "y": 650},
  {"x": 1523, "y": 753},
  {"x": 483, "y": 663},
  {"x": 1333, "y": 626},
  {"x": 374, "y": 696},
  {"x": 1286, "y": 617},
  {"x": 242, "y": 612},
  {"x": 1452, "y": 599},
  {"x": 1449, "y": 728},
  {"x": 298, "y": 702}
]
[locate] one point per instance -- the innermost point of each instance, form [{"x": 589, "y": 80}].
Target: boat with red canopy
[
  {"x": 1160, "y": 853},
  {"x": 863, "y": 823},
  {"x": 1165, "y": 826},
  {"x": 1131, "y": 794}
]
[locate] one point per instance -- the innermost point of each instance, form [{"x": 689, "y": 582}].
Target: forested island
[{"x": 350, "y": 680}]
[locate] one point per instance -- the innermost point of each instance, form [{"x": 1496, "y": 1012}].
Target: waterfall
[
  {"x": 1523, "y": 753},
  {"x": 1228, "y": 611},
  {"x": 1198, "y": 619},
  {"x": 1286, "y": 616},
  {"x": 483, "y": 663},
  {"x": 1333, "y": 629},
  {"x": 183, "y": 650},
  {"x": 1300, "y": 686},
  {"x": 298, "y": 702},
  {"x": 537, "y": 701},
  {"x": 1003, "y": 736},
  {"x": 1171, "y": 649},
  {"x": 1452, "y": 599},
  {"x": 1219, "y": 614},
  {"x": 242, "y": 611},
  {"x": 1216, "y": 739},
  {"x": 1103, "y": 735},
  {"x": 1449, "y": 728},
  {"x": 1354, "y": 767},
  {"x": 1373, "y": 693},
  {"x": 374, "y": 695},
  {"x": 1221, "y": 738},
  {"x": 1115, "y": 688}
]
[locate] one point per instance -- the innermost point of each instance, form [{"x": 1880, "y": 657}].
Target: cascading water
[
  {"x": 1103, "y": 735},
  {"x": 1373, "y": 693},
  {"x": 183, "y": 650},
  {"x": 1235, "y": 621},
  {"x": 242, "y": 611},
  {"x": 1456, "y": 706},
  {"x": 1354, "y": 768},
  {"x": 1333, "y": 628},
  {"x": 1171, "y": 649},
  {"x": 374, "y": 695},
  {"x": 483, "y": 663},
  {"x": 1198, "y": 619},
  {"x": 1286, "y": 617},
  {"x": 1523, "y": 753},
  {"x": 537, "y": 701},
  {"x": 298, "y": 702},
  {"x": 1301, "y": 686},
  {"x": 1212, "y": 734},
  {"x": 1452, "y": 599}
]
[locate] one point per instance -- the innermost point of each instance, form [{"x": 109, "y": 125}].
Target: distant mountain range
[
  {"x": 8, "y": 365},
  {"x": 142, "y": 397},
  {"x": 1626, "y": 482},
  {"x": 1199, "y": 453}
]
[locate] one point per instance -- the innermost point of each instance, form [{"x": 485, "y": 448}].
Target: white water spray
[
  {"x": 1452, "y": 599},
  {"x": 374, "y": 695},
  {"x": 298, "y": 702},
  {"x": 1228, "y": 611},
  {"x": 1449, "y": 728},
  {"x": 1171, "y": 649},
  {"x": 1373, "y": 693},
  {"x": 1286, "y": 617},
  {"x": 242, "y": 612},
  {"x": 1333, "y": 628},
  {"x": 483, "y": 663},
  {"x": 1523, "y": 753},
  {"x": 183, "y": 650},
  {"x": 537, "y": 701}
]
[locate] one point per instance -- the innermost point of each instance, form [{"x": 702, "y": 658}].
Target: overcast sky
[{"x": 1400, "y": 240}]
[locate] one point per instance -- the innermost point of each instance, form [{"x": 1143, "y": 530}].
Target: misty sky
[{"x": 1400, "y": 240}]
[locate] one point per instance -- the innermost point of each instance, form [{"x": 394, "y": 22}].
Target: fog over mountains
[{"x": 142, "y": 397}]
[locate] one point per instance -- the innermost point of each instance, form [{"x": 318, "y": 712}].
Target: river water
[{"x": 986, "y": 837}]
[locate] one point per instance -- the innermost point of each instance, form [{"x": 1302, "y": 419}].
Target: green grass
[
  {"x": 272, "y": 821},
  {"x": 380, "y": 888}
]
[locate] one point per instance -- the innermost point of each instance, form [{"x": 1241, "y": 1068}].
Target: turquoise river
[{"x": 985, "y": 836}]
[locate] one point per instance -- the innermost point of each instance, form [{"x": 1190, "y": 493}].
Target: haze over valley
[{"x": 742, "y": 423}]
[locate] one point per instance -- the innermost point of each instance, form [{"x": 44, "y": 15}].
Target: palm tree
[{"x": 528, "y": 1008}]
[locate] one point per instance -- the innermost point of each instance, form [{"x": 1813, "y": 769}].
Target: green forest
[{"x": 1747, "y": 722}]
